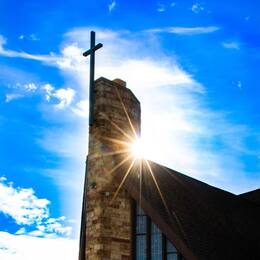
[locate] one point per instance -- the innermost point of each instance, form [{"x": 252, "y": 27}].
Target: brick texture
[{"x": 108, "y": 234}]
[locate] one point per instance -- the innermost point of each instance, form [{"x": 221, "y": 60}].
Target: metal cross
[{"x": 91, "y": 52}]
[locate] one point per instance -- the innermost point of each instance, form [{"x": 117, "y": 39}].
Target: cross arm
[{"x": 98, "y": 46}]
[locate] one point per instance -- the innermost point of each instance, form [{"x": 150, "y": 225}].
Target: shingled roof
[{"x": 202, "y": 221}]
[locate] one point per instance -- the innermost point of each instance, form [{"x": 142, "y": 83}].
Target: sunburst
[{"x": 133, "y": 150}]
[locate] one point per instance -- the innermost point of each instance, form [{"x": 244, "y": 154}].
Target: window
[
  {"x": 156, "y": 242},
  {"x": 149, "y": 242},
  {"x": 171, "y": 251},
  {"x": 141, "y": 234}
]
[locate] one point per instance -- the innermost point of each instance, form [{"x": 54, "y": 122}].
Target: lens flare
[{"x": 138, "y": 149}]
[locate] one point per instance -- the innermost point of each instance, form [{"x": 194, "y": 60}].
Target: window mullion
[
  {"x": 179, "y": 257},
  {"x": 133, "y": 240},
  {"x": 164, "y": 252},
  {"x": 148, "y": 238}
]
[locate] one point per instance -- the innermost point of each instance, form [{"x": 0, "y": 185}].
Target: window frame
[{"x": 148, "y": 235}]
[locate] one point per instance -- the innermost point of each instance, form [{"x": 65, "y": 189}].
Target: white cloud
[
  {"x": 112, "y": 6},
  {"x": 30, "y": 87},
  {"x": 48, "y": 88},
  {"x": 36, "y": 233},
  {"x": 20, "y": 231},
  {"x": 231, "y": 45},
  {"x": 174, "y": 111},
  {"x": 81, "y": 108},
  {"x": 185, "y": 30},
  {"x": 64, "y": 96},
  {"x": 21, "y": 37},
  {"x": 23, "y": 247},
  {"x": 12, "y": 96},
  {"x": 27, "y": 209},
  {"x": 176, "y": 116},
  {"x": 22, "y": 204},
  {"x": 197, "y": 8}
]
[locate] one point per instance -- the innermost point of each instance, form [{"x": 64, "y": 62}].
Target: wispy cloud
[
  {"x": 30, "y": 87},
  {"x": 33, "y": 37},
  {"x": 197, "y": 8},
  {"x": 161, "y": 7},
  {"x": 175, "y": 112},
  {"x": 112, "y": 6},
  {"x": 12, "y": 96},
  {"x": 17, "y": 54},
  {"x": 239, "y": 84},
  {"x": 164, "y": 6},
  {"x": 185, "y": 30},
  {"x": 231, "y": 45},
  {"x": 174, "y": 96},
  {"x": 19, "y": 91},
  {"x": 60, "y": 98}
]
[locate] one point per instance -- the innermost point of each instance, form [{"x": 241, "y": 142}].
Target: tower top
[{"x": 120, "y": 82}]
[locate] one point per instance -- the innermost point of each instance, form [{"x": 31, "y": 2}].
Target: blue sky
[{"x": 192, "y": 64}]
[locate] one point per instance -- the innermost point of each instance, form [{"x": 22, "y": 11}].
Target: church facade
[{"x": 137, "y": 209}]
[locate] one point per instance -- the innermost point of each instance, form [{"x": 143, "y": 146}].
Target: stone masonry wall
[{"x": 108, "y": 234}]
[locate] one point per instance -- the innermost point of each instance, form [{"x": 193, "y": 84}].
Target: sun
[{"x": 138, "y": 149}]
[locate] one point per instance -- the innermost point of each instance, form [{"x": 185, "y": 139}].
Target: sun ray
[
  {"x": 126, "y": 113},
  {"x": 117, "y": 141},
  {"x": 123, "y": 181},
  {"x": 157, "y": 185},
  {"x": 141, "y": 179},
  {"x": 171, "y": 213},
  {"x": 118, "y": 127},
  {"x": 97, "y": 155},
  {"x": 119, "y": 164}
]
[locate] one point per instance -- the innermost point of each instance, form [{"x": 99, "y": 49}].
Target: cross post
[{"x": 91, "y": 52}]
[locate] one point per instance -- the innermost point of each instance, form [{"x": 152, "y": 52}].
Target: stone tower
[{"x": 108, "y": 218}]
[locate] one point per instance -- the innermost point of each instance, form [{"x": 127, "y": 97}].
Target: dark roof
[
  {"x": 202, "y": 221},
  {"x": 253, "y": 196}
]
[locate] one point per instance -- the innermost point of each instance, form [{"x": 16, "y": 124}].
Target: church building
[{"x": 136, "y": 209}]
